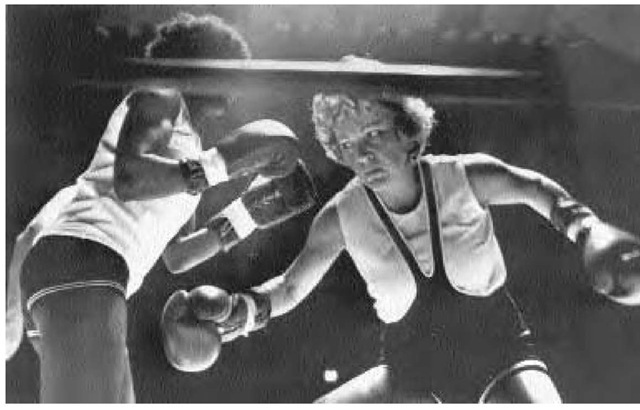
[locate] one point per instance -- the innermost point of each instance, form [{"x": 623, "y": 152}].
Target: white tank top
[
  {"x": 472, "y": 257},
  {"x": 137, "y": 230}
]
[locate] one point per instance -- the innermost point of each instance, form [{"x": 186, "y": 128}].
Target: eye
[
  {"x": 345, "y": 145},
  {"x": 375, "y": 136}
]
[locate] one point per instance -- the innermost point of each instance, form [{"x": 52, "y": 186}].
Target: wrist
[
  {"x": 227, "y": 236},
  {"x": 240, "y": 219},
  {"x": 251, "y": 311},
  {"x": 580, "y": 229},
  {"x": 214, "y": 166},
  {"x": 193, "y": 175},
  {"x": 572, "y": 218}
]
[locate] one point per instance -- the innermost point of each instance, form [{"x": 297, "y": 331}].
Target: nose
[{"x": 363, "y": 153}]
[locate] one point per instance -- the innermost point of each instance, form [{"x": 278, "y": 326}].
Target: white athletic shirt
[
  {"x": 472, "y": 257},
  {"x": 137, "y": 230}
]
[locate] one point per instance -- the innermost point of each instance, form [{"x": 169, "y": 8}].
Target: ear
[{"x": 413, "y": 149}]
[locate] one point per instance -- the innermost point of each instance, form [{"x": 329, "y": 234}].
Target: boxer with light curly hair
[{"x": 418, "y": 229}]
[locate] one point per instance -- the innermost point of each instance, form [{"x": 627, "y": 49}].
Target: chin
[{"x": 375, "y": 182}]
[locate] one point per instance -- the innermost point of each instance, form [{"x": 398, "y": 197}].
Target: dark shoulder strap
[
  {"x": 433, "y": 220},
  {"x": 395, "y": 235},
  {"x": 436, "y": 244}
]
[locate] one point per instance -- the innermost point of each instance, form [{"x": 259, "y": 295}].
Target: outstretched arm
[
  {"x": 191, "y": 246},
  {"x": 196, "y": 323},
  {"x": 611, "y": 256},
  {"x": 323, "y": 245},
  {"x": 266, "y": 203},
  {"x": 495, "y": 182}
]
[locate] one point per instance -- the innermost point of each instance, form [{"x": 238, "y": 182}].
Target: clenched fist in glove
[
  {"x": 264, "y": 147},
  {"x": 611, "y": 256},
  {"x": 612, "y": 260},
  {"x": 196, "y": 323}
]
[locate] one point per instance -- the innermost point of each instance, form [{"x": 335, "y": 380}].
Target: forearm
[
  {"x": 541, "y": 193},
  {"x": 148, "y": 177},
  {"x": 282, "y": 295},
  {"x": 323, "y": 245},
  {"x": 497, "y": 183},
  {"x": 187, "y": 252},
  {"x": 550, "y": 200},
  {"x": 289, "y": 289}
]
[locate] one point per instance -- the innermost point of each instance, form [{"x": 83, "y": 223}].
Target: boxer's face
[
  {"x": 210, "y": 117},
  {"x": 371, "y": 146}
]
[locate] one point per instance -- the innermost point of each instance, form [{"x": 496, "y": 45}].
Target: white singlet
[
  {"x": 137, "y": 230},
  {"x": 472, "y": 257}
]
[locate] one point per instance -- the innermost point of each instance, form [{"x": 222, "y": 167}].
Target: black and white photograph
[{"x": 323, "y": 203}]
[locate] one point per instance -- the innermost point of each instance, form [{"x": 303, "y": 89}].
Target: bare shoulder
[
  {"x": 326, "y": 226},
  {"x": 480, "y": 160},
  {"x": 328, "y": 216},
  {"x": 481, "y": 166}
]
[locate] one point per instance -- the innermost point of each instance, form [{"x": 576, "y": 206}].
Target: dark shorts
[
  {"x": 61, "y": 263},
  {"x": 458, "y": 346}
]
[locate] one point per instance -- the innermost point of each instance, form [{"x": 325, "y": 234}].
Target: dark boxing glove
[
  {"x": 265, "y": 204},
  {"x": 264, "y": 147},
  {"x": 611, "y": 256}
]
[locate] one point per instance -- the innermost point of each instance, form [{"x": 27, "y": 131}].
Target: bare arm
[
  {"x": 497, "y": 183},
  {"x": 191, "y": 247},
  {"x": 144, "y": 168},
  {"x": 611, "y": 256},
  {"x": 323, "y": 245}
]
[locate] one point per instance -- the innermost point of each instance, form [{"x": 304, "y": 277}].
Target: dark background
[{"x": 585, "y": 135}]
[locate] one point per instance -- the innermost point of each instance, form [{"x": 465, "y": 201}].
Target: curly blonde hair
[{"x": 413, "y": 117}]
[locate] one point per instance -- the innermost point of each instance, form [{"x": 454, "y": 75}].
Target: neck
[{"x": 404, "y": 194}]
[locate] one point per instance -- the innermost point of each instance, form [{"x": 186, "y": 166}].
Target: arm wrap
[
  {"x": 227, "y": 234},
  {"x": 572, "y": 218},
  {"x": 251, "y": 312}
]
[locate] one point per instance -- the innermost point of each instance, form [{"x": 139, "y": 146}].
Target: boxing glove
[
  {"x": 612, "y": 260},
  {"x": 195, "y": 324},
  {"x": 190, "y": 344},
  {"x": 234, "y": 315},
  {"x": 265, "y": 147},
  {"x": 610, "y": 255},
  {"x": 265, "y": 204},
  {"x": 210, "y": 303}
]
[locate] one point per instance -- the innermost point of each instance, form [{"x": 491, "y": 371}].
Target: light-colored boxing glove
[
  {"x": 611, "y": 256},
  {"x": 190, "y": 344},
  {"x": 196, "y": 323}
]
